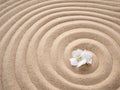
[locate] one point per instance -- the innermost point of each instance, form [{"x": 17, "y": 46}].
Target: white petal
[
  {"x": 76, "y": 53},
  {"x": 79, "y": 50},
  {"x": 86, "y": 55},
  {"x": 73, "y": 61},
  {"x": 90, "y": 53},
  {"x": 89, "y": 61},
  {"x": 82, "y": 62}
]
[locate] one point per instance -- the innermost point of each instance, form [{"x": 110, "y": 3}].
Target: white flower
[{"x": 80, "y": 57}]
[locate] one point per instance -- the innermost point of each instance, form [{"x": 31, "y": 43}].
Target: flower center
[{"x": 78, "y": 58}]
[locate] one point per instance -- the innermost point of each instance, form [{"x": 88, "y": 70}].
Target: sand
[{"x": 37, "y": 38}]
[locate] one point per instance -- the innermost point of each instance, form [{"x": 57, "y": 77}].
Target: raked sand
[{"x": 37, "y": 38}]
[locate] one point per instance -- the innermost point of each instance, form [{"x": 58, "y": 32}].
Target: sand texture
[{"x": 37, "y": 38}]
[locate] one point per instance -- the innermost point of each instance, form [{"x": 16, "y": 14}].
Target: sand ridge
[{"x": 38, "y": 37}]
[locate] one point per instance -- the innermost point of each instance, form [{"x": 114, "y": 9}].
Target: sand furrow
[{"x": 38, "y": 37}]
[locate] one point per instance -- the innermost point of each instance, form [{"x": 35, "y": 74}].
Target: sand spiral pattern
[{"x": 37, "y": 38}]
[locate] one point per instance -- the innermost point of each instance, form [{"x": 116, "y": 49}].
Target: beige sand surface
[{"x": 38, "y": 36}]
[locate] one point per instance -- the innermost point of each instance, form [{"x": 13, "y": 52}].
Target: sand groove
[{"x": 37, "y": 38}]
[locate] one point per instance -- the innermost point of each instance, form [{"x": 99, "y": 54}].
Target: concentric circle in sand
[{"x": 38, "y": 37}]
